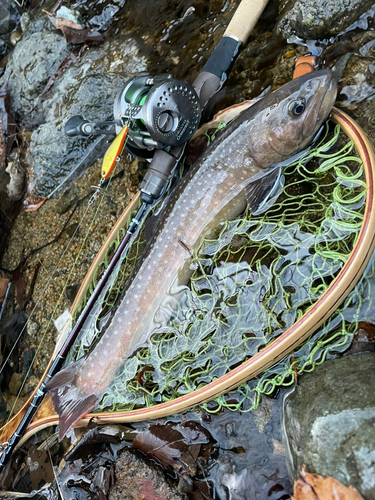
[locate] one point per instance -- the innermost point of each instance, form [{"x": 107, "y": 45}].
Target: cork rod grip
[{"x": 245, "y": 18}]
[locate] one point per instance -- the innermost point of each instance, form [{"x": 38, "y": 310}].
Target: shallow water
[{"x": 179, "y": 40}]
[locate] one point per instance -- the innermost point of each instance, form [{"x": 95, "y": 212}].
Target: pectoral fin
[{"x": 263, "y": 188}]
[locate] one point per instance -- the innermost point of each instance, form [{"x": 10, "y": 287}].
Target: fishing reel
[{"x": 162, "y": 112}]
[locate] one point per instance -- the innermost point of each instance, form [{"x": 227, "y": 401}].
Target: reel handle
[{"x": 76, "y": 125}]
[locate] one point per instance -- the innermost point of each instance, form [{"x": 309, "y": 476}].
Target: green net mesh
[{"x": 254, "y": 277}]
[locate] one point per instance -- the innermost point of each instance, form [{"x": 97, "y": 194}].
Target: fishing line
[
  {"x": 34, "y": 250},
  {"x": 54, "y": 310},
  {"x": 91, "y": 201},
  {"x": 43, "y": 292}
]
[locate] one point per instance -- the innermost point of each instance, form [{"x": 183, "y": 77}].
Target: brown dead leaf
[
  {"x": 174, "y": 446},
  {"x": 315, "y": 487},
  {"x": 81, "y": 36},
  {"x": 32, "y": 203},
  {"x": 3, "y": 288},
  {"x": 74, "y": 32},
  {"x": 61, "y": 23}
]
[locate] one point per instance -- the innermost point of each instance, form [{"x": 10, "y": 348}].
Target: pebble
[
  {"x": 15, "y": 383},
  {"x": 140, "y": 480},
  {"x": 61, "y": 266}
]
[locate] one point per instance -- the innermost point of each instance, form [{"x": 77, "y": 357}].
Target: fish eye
[{"x": 297, "y": 108}]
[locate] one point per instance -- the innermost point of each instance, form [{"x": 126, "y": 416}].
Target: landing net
[{"x": 254, "y": 277}]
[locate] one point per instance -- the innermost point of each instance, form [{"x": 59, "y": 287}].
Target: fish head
[{"x": 290, "y": 117}]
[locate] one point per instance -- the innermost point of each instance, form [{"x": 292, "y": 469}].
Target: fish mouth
[
  {"x": 325, "y": 93},
  {"x": 329, "y": 98}
]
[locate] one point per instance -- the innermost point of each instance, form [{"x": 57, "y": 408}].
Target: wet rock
[
  {"x": 358, "y": 82},
  {"x": 251, "y": 462},
  {"x": 33, "y": 61},
  {"x": 4, "y": 49},
  {"x": 137, "y": 479},
  {"x": 364, "y": 114},
  {"x": 72, "y": 15},
  {"x": 17, "y": 172},
  {"x": 25, "y": 21},
  {"x": 27, "y": 359},
  {"x": 67, "y": 200},
  {"x": 100, "y": 16},
  {"x": 87, "y": 88},
  {"x": 3, "y": 408},
  {"x": 15, "y": 383},
  {"x": 71, "y": 292},
  {"x": 352, "y": 60},
  {"x": 9, "y": 16},
  {"x": 310, "y": 19},
  {"x": 329, "y": 421}
]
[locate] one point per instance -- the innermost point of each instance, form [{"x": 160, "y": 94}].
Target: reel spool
[{"x": 162, "y": 112}]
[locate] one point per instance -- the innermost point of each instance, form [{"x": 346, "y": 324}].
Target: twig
[{"x": 54, "y": 473}]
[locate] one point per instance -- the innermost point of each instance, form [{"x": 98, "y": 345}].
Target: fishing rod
[{"x": 154, "y": 117}]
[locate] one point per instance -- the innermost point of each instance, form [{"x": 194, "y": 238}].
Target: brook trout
[{"x": 238, "y": 169}]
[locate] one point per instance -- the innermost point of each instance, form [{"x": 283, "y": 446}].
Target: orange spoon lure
[{"x": 113, "y": 152}]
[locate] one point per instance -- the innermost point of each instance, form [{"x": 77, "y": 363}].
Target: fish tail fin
[{"x": 70, "y": 402}]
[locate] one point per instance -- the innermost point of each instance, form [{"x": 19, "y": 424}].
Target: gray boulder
[
  {"x": 87, "y": 88},
  {"x": 33, "y": 61},
  {"x": 9, "y": 16},
  {"x": 310, "y": 19},
  {"x": 4, "y": 49},
  {"x": 9, "y": 19},
  {"x": 329, "y": 422}
]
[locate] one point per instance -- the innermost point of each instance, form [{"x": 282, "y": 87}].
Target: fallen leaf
[
  {"x": 81, "y": 36},
  {"x": 3, "y": 288},
  {"x": 61, "y": 23},
  {"x": 32, "y": 203},
  {"x": 174, "y": 446},
  {"x": 363, "y": 339},
  {"x": 74, "y": 32},
  {"x": 315, "y": 487}
]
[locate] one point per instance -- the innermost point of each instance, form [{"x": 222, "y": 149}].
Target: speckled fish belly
[{"x": 240, "y": 168}]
